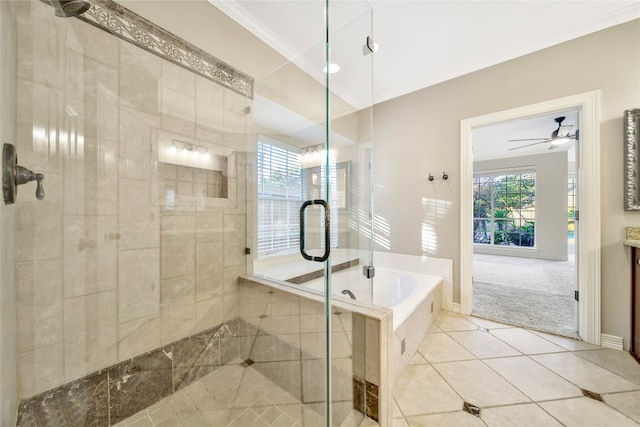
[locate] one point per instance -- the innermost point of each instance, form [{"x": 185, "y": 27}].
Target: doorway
[
  {"x": 588, "y": 227},
  {"x": 524, "y": 191}
]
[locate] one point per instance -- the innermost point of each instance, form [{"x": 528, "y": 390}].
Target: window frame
[{"x": 492, "y": 220}]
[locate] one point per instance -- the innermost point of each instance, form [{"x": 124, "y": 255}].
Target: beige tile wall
[
  {"x": 8, "y": 384},
  {"x": 106, "y": 268}
]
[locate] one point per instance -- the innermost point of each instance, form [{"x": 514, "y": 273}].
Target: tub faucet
[{"x": 348, "y": 292}]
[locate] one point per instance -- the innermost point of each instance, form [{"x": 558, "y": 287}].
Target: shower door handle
[{"x": 327, "y": 222}]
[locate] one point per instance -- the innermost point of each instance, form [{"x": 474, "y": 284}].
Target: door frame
[{"x": 588, "y": 227}]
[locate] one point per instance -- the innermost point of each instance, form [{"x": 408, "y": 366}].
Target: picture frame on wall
[{"x": 631, "y": 127}]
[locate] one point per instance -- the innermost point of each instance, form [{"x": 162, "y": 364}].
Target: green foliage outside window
[{"x": 504, "y": 209}]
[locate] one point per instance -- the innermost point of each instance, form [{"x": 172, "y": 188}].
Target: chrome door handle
[{"x": 327, "y": 222}]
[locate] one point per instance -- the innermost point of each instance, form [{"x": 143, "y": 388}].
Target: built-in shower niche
[{"x": 193, "y": 172}]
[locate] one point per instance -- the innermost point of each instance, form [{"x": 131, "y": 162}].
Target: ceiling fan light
[
  {"x": 331, "y": 68},
  {"x": 560, "y": 141}
]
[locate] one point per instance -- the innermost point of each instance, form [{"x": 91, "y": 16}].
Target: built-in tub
[
  {"x": 401, "y": 291},
  {"x": 413, "y": 288}
]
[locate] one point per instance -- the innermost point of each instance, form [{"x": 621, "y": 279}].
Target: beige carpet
[{"x": 526, "y": 292}]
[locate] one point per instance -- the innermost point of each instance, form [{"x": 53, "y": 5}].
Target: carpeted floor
[{"x": 526, "y": 292}]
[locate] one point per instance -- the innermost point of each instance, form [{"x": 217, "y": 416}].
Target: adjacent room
[{"x": 525, "y": 197}]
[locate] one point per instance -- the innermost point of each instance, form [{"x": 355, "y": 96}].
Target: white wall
[
  {"x": 551, "y": 205},
  {"x": 419, "y": 133},
  {"x": 8, "y": 384}
]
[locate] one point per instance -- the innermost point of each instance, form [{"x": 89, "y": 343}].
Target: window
[
  {"x": 504, "y": 208},
  {"x": 571, "y": 214},
  {"x": 280, "y": 194}
]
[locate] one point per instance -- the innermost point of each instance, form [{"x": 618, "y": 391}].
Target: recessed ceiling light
[{"x": 333, "y": 68}]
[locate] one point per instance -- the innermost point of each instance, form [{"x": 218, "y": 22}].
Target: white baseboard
[
  {"x": 611, "y": 341},
  {"x": 456, "y": 307}
]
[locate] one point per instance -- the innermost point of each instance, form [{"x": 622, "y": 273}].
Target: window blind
[{"x": 279, "y": 198}]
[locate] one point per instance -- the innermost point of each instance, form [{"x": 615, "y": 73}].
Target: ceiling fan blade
[
  {"x": 563, "y": 131},
  {"x": 528, "y": 145},
  {"x": 526, "y": 139}
]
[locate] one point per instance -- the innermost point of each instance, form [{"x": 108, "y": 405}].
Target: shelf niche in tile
[{"x": 193, "y": 172}]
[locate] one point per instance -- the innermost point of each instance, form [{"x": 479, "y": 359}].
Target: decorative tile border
[
  {"x": 299, "y": 280},
  {"x": 372, "y": 401},
  {"x": 123, "y": 23},
  {"x": 115, "y": 393},
  {"x": 366, "y": 398}
]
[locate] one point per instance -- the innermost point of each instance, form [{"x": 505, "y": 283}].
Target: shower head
[{"x": 69, "y": 8}]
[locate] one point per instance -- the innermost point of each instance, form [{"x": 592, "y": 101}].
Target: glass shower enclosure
[
  {"x": 147, "y": 184},
  {"x": 313, "y": 234}
]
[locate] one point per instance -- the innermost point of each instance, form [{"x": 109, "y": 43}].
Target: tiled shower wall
[
  {"x": 8, "y": 389},
  {"x": 107, "y": 267}
]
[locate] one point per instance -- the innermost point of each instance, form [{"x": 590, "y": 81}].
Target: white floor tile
[
  {"x": 418, "y": 359},
  {"x": 433, "y": 329},
  {"x": 527, "y": 415},
  {"x": 619, "y": 362},
  {"x": 483, "y": 345},
  {"x": 627, "y": 403},
  {"x": 396, "y": 410},
  {"x": 420, "y": 390},
  {"x": 583, "y": 411},
  {"x": 567, "y": 343},
  {"x": 525, "y": 341},
  {"x": 448, "y": 321},
  {"x": 533, "y": 379},
  {"x": 451, "y": 419},
  {"x": 487, "y": 324},
  {"x": 584, "y": 374},
  {"x": 368, "y": 422},
  {"x": 442, "y": 348},
  {"x": 400, "y": 422},
  {"x": 478, "y": 384}
]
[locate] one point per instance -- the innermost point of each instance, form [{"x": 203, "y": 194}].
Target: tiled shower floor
[
  {"x": 516, "y": 377},
  {"x": 234, "y": 395}
]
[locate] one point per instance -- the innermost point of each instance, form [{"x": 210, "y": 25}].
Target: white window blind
[{"x": 279, "y": 197}]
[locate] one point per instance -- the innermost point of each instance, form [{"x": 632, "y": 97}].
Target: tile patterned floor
[
  {"x": 233, "y": 396},
  {"x": 515, "y": 377}
]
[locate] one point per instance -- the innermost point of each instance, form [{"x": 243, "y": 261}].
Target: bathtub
[
  {"x": 401, "y": 291},
  {"x": 413, "y": 288}
]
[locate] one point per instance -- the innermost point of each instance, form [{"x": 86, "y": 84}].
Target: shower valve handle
[
  {"x": 13, "y": 175},
  {"x": 24, "y": 175}
]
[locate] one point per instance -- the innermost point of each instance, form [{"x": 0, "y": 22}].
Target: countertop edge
[{"x": 632, "y": 243}]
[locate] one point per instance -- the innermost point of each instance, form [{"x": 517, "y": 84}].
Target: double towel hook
[{"x": 444, "y": 176}]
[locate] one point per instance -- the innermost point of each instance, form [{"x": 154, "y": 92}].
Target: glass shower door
[
  {"x": 312, "y": 120},
  {"x": 167, "y": 179}
]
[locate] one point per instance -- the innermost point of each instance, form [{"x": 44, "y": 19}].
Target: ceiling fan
[{"x": 560, "y": 136}]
